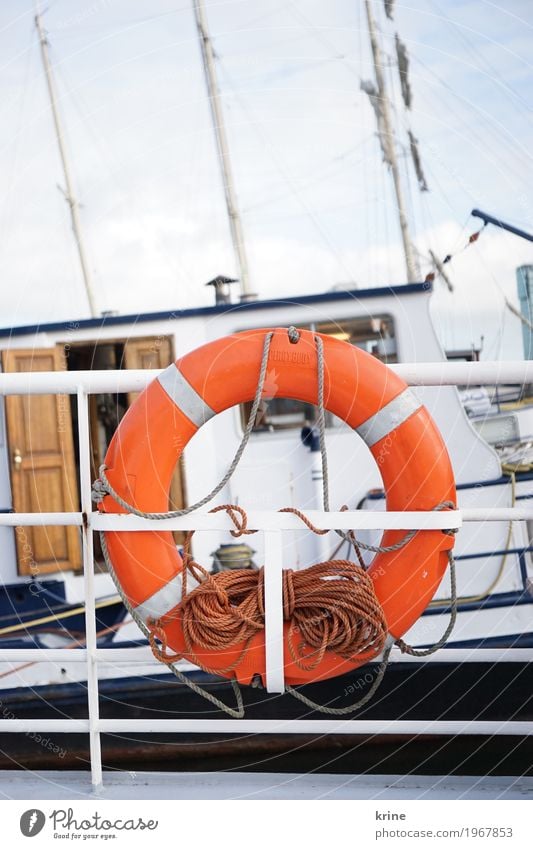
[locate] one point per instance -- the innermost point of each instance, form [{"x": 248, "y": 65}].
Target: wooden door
[
  {"x": 42, "y": 464},
  {"x": 156, "y": 352}
]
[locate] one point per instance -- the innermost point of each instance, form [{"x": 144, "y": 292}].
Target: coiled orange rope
[{"x": 331, "y": 606}]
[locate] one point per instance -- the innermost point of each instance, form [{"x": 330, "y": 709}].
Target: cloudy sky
[{"x": 316, "y": 199}]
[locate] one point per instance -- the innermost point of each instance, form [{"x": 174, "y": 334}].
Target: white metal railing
[{"x": 272, "y": 525}]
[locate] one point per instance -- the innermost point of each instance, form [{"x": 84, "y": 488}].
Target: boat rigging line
[
  {"x": 219, "y": 129},
  {"x": 438, "y": 264},
  {"x": 380, "y": 102},
  {"x": 68, "y": 191}
]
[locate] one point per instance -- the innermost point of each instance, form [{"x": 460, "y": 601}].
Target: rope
[
  {"x": 332, "y": 606},
  {"x": 471, "y": 599},
  {"x": 321, "y": 420},
  {"x": 510, "y": 306},
  {"x": 438, "y": 264},
  {"x": 407, "y": 649},
  {"x": 349, "y": 708}
]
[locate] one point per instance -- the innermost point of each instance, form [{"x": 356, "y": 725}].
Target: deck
[{"x": 56, "y": 785}]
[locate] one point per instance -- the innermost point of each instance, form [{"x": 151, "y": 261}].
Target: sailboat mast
[
  {"x": 413, "y": 273},
  {"x": 219, "y": 128},
  {"x": 68, "y": 191}
]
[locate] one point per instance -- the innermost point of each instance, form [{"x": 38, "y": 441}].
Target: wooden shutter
[
  {"x": 156, "y": 352},
  {"x": 42, "y": 464}
]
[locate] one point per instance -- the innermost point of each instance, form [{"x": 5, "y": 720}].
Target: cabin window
[{"x": 375, "y": 335}]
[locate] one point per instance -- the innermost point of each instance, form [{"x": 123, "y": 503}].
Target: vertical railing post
[
  {"x": 275, "y": 673},
  {"x": 88, "y": 576}
]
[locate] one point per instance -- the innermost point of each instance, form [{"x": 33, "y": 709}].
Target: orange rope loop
[{"x": 241, "y": 525}]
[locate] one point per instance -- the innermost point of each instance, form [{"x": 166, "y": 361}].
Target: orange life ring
[{"x": 370, "y": 397}]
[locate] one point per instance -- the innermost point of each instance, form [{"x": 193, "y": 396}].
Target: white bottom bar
[
  {"x": 143, "y": 655},
  {"x": 267, "y": 726}
]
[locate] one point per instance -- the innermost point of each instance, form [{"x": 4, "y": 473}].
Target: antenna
[
  {"x": 219, "y": 128},
  {"x": 389, "y": 148},
  {"x": 68, "y": 191},
  {"x": 490, "y": 219}
]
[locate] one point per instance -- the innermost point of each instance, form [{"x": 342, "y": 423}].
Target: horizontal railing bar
[
  {"x": 134, "y": 380},
  {"x": 357, "y": 519},
  {"x": 134, "y": 656},
  {"x": 143, "y": 655},
  {"x": 497, "y": 514},
  {"x": 446, "y": 655},
  {"x": 69, "y": 382},
  {"x": 274, "y": 520},
  {"x": 309, "y": 726},
  {"x": 466, "y": 655},
  {"x": 43, "y": 655},
  {"x": 13, "y": 520},
  {"x": 47, "y": 726},
  {"x": 465, "y": 374},
  {"x": 419, "y": 727}
]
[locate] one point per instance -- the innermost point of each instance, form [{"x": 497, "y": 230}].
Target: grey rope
[
  {"x": 396, "y": 546},
  {"x": 350, "y": 708},
  {"x": 102, "y": 486},
  {"x": 322, "y": 423},
  {"x": 407, "y": 649}
]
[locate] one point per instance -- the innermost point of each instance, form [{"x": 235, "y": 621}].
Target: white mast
[
  {"x": 413, "y": 272},
  {"x": 235, "y": 223},
  {"x": 68, "y": 191}
]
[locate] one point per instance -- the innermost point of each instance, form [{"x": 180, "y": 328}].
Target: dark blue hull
[{"x": 414, "y": 692}]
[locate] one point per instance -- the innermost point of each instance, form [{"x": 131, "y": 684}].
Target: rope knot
[
  {"x": 404, "y": 648},
  {"x": 238, "y": 516},
  {"x": 156, "y": 632},
  {"x": 99, "y": 491}
]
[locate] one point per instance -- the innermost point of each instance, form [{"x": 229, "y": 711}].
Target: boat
[
  {"x": 41, "y": 569},
  {"x": 495, "y": 603}
]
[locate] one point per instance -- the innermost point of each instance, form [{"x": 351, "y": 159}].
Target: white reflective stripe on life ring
[
  {"x": 165, "y": 599},
  {"x": 391, "y": 416},
  {"x": 184, "y": 396}
]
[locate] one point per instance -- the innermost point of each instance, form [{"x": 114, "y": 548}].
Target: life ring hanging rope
[{"x": 375, "y": 402}]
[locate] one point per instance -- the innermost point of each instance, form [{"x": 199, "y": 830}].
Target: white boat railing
[{"x": 272, "y": 524}]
